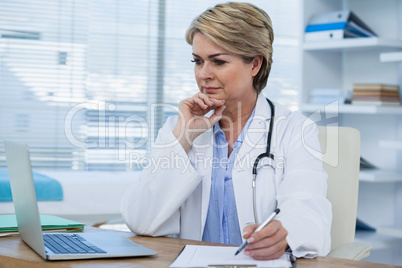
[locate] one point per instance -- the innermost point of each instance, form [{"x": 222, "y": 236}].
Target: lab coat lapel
[
  {"x": 253, "y": 145},
  {"x": 257, "y": 129},
  {"x": 202, "y": 153}
]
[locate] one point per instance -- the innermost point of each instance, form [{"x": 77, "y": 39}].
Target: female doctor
[{"x": 200, "y": 183}]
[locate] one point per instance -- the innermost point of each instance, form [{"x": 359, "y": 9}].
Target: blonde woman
[{"x": 205, "y": 190}]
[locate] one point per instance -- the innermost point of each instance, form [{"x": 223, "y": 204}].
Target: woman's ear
[{"x": 256, "y": 65}]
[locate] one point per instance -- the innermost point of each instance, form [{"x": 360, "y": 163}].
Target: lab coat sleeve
[
  {"x": 305, "y": 211},
  {"x": 151, "y": 206}
]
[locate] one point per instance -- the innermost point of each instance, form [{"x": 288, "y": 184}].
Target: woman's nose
[{"x": 206, "y": 72}]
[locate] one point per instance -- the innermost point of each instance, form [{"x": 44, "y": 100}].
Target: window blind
[{"x": 82, "y": 81}]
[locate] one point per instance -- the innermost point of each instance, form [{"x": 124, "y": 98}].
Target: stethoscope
[{"x": 266, "y": 154}]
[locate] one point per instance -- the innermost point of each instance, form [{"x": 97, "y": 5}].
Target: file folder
[
  {"x": 337, "y": 25},
  {"x": 8, "y": 224}
]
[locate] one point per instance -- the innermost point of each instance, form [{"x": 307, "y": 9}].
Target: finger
[
  {"x": 269, "y": 241},
  {"x": 211, "y": 102},
  {"x": 267, "y": 231},
  {"x": 190, "y": 106},
  {"x": 202, "y": 104},
  {"x": 204, "y": 98},
  {"x": 248, "y": 230},
  {"x": 217, "y": 115},
  {"x": 268, "y": 253},
  {"x": 219, "y": 110},
  {"x": 217, "y": 103}
]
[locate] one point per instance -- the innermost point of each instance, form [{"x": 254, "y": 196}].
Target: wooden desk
[{"x": 167, "y": 248}]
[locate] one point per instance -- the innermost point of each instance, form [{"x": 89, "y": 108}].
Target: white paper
[{"x": 202, "y": 256}]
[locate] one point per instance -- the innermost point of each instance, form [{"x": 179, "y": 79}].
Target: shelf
[
  {"x": 391, "y": 56},
  {"x": 391, "y": 144},
  {"x": 394, "y": 231},
  {"x": 378, "y": 175},
  {"x": 386, "y": 243},
  {"x": 352, "y": 109},
  {"x": 353, "y": 44}
]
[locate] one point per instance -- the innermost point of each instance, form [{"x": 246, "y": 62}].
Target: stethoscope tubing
[{"x": 266, "y": 154}]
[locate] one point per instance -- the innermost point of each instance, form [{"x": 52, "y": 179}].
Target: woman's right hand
[{"x": 191, "y": 121}]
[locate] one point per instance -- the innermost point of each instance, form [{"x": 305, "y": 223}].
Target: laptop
[{"x": 57, "y": 246}]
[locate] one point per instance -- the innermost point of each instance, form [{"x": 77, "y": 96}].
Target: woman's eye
[
  {"x": 219, "y": 62},
  {"x": 196, "y": 61}
]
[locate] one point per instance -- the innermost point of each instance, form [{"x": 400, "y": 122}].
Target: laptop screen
[{"x": 24, "y": 195}]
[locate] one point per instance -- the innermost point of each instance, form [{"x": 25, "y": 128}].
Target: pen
[{"x": 270, "y": 218}]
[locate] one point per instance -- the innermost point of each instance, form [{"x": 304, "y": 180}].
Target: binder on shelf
[
  {"x": 336, "y": 25},
  {"x": 362, "y": 226},
  {"x": 328, "y": 35},
  {"x": 364, "y": 164}
]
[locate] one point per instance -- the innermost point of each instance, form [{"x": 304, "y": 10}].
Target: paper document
[{"x": 204, "y": 256}]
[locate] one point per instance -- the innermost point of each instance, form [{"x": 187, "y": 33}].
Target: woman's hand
[
  {"x": 267, "y": 244},
  {"x": 191, "y": 122}
]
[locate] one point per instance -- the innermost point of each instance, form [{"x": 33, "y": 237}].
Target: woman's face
[{"x": 221, "y": 74}]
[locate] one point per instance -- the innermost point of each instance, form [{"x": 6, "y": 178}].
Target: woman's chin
[{"x": 215, "y": 95}]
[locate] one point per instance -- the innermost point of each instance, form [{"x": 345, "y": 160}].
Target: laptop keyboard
[{"x": 69, "y": 244}]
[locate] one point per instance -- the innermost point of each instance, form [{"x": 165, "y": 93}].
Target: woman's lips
[{"x": 210, "y": 89}]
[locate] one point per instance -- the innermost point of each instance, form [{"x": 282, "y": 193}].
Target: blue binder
[{"x": 345, "y": 21}]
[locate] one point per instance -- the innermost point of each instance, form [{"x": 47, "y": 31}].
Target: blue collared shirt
[{"x": 222, "y": 225}]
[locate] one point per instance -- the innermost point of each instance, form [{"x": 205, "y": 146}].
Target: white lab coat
[{"x": 171, "y": 195}]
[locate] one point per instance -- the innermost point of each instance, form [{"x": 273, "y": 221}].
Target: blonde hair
[{"x": 240, "y": 28}]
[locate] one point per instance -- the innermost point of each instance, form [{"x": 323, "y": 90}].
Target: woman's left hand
[{"x": 267, "y": 244}]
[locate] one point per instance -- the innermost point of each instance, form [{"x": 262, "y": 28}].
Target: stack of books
[
  {"x": 376, "y": 94},
  {"x": 336, "y": 25}
]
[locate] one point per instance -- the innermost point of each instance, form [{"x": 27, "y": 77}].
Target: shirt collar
[{"x": 218, "y": 131}]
